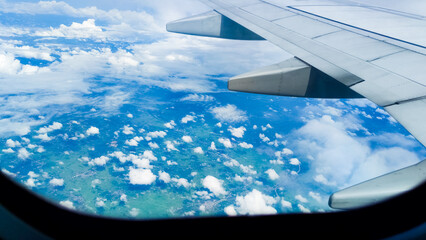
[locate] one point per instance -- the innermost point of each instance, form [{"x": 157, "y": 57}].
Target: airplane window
[{"x": 104, "y": 111}]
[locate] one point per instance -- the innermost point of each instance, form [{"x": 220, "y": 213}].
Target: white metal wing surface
[{"x": 342, "y": 49}]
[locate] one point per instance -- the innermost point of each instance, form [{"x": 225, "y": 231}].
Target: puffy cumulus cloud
[
  {"x": 255, "y": 203},
  {"x": 8, "y": 150},
  {"x": 214, "y": 185},
  {"x": 229, "y": 113},
  {"x": 226, "y": 142},
  {"x": 237, "y": 132},
  {"x": 86, "y": 29},
  {"x": 286, "y": 204},
  {"x": 303, "y": 208},
  {"x": 156, "y": 134},
  {"x": 141, "y": 176},
  {"x": 198, "y": 98},
  {"x": 40, "y": 52},
  {"x": 12, "y": 144},
  {"x": 9, "y": 65},
  {"x": 212, "y": 146},
  {"x": 153, "y": 145},
  {"x": 170, "y": 125},
  {"x": 50, "y": 128},
  {"x": 230, "y": 211},
  {"x": 315, "y": 196},
  {"x": 92, "y": 131},
  {"x": 170, "y": 146},
  {"x": 23, "y": 153},
  {"x": 128, "y": 130},
  {"x": 272, "y": 174},
  {"x": 234, "y": 163},
  {"x": 57, "y": 182},
  {"x": 294, "y": 161},
  {"x": 301, "y": 198},
  {"x": 148, "y": 154},
  {"x": 100, "y": 161},
  {"x": 181, "y": 182},
  {"x": 245, "y": 145},
  {"x": 67, "y": 204},
  {"x": 198, "y": 150},
  {"x": 134, "y": 141},
  {"x": 331, "y": 146},
  {"x": 43, "y": 137},
  {"x": 188, "y": 118},
  {"x": 187, "y": 139},
  {"x": 163, "y": 176}
]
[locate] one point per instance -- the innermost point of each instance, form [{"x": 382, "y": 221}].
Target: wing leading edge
[{"x": 333, "y": 59}]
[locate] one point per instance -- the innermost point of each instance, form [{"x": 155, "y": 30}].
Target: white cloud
[
  {"x": 212, "y": 146},
  {"x": 170, "y": 125},
  {"x": 245, "y": 145},
  {"x": 148, "y": 154},
  {"x": 23, "y": 153},
  {"x": 321, "y": 179},
  {"x": 128, "y": 130},
  {"x": 272, "y": 174},
  {"x": 286, "y": 204},
  {"x": 54, "y": 126},
  {"x": 134, "y": 212},
  {"x": 226, "y": 142},
  {"x": 156, "y": 134},
  {"x": 8, "y": 150},
  {"x": 163, "y": 176},
  {"x": 141, "y": 176},
  {"x": 187, "y": 139},
  {"x": 327, "y": 140},
  {"x": 68, "y": 204},
  {"x": 287, "y": 151},
  {"x": 10, "y": 143},
  {"x": 86, "y": 29},
  {"x": 294, "y": 161},
  {"x": 153, "y": 145},
  {"x": 255, "y": 203},
  {"x": 263, "y": 137},
  {"x": 230, "y": 211},
  {"x": 123, "y": 197},
  {"x": 214, "y": 185},
  {"x": 315, "y": 196},
  {"x": 56, "y": 182},
  {"x": 234, "y": 163},
  {"x": 92, "y": 131},
  {"x": 198, "y": 150},
  {"x": 100, "y": 161},
  {"x": 237, "y": 132},
  {"x": 229, "y": 113},
  {"x": 170, "y": 146},
  {"x": 303, "y": 208},
  {"x": 198, "y": 98},
  {"x": 181, "y": 182},
  {"x": 43, "y": 137},
  {"x": 131, "y": 142},
  {"x": 188, "y": 118},
  {"x": 301, "y": 198}
]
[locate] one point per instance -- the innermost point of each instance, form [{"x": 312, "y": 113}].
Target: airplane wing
[{"x": 342, "y": 49}]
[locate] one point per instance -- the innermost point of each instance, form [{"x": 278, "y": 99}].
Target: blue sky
[{"x": 68, "y": 58}]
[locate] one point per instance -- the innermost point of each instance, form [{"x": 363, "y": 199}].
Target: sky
[{"x": 78, "y": 45}]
